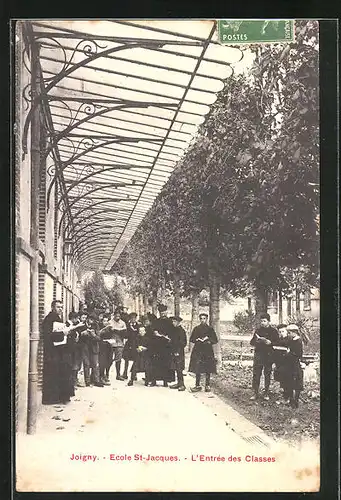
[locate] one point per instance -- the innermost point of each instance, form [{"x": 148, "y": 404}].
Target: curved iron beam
[
  {"x": 113, "y": 200},
  {"x": 97, "y": 55},
  {"x": 107, "y": 200},
  {"x": 85, "y": 219},
  {"x": 95, "y": 246},
  {"x": 92, "y": 224},
  {"x": 84, "y": 195},
  {"x": 98, "y": 233},
  {"x": 118, "y": 139},
  {"x": 93, "y": 254},
  {"x": 92, "y": 174},
  {"x": 88, "y": 176},
  {"x": 101, "y": 112},
  {"x": 99, "y": 241}
]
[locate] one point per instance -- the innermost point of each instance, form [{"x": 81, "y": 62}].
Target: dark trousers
[
  {"x": 198, "y": 377},
  {"x": 260, "y": 364},
  {"x": 94, "y": 367},
  {"x": 84, "y": 359},
  {"x": 178, "y": 370},
  {"x": 90, "y": 362},
  {"x": 105, "y": 358}
]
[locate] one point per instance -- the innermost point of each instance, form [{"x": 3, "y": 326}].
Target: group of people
[
  {"x": 155, "y": 346},
  {"x": 281, "y": 347},
  {"x": 92, "y": 342}
]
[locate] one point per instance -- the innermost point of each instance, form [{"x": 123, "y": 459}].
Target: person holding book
[
  {"x": 294, "y": 368},
  {"x": 202, "y": 360},
  {"x": 263, "y": 339},
  {"x": 129, "y": 350},
  {"x": 73, "y": 343},
  {"x": 93, "y": 339},
  {"x": 57, "y": 365},
  {"x": 178, "y": 344},
  {"x": 105, "y": 352},
  {"x": 140, "y": 352},
  {"x": 280, "y": 351},
  {"x": 114, "y": 334}
]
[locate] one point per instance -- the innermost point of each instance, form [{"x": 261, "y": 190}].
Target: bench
[
  {"x": 306, "y": 358},
  {"x": 242, "y": 339}
]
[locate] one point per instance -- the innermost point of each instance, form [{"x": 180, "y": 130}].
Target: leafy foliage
[
  {"x": 242, "y": 203},
  {"x": 245, "y": 322}
]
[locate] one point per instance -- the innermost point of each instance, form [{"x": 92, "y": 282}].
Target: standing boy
[
  {"x": 295, "y": 371},
  {"x": 178, "y": 344},
  {"x": 202, "y": 356},
  {"x": 263, "y": 339},
  {"x": 115, "y": 333}
]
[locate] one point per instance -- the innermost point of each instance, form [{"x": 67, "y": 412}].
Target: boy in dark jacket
[
  {"x": 178, "y": 344},
  {"x": 92, "y": 339},
  {"x": 294, "y": 369},
  {"x": 202, "y": 357},
  {"x": 129, "y": 353},
  {"x": 140, "y": 345},
  {"x": 263, "y": 340}
]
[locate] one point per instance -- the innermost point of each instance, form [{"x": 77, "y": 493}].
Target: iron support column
[{"x": 34, "y": 236}]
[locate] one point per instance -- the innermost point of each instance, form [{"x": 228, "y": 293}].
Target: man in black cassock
[
  {"x": 161, "y": 350},
  {"x": 57, "y": 368},
  {"x": 178, "y": 344},
  {"x": 202, "y": 357}
]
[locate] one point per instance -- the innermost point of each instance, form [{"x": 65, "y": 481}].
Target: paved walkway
[{"x": 140, "y": 422}]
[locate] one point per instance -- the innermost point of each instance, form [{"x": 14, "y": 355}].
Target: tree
[
  {"x": 95, "y": 292},
  {"x": 242, "y": 204}
]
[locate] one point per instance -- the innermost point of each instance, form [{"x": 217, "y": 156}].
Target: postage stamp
[{"x": 256, "y": 31}]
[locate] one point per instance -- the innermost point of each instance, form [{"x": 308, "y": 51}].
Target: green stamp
[{"x": 255, "y": 31}]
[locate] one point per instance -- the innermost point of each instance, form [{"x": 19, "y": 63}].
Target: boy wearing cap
[
  {"x": 178, "y": 344},
  {"x": 141, "y": 356},
  {"x": 263, "y": 339},
  {"x": 202, "y": 356},
  {"x": 72, "y": 340},
  {"x": 93, "y": 344},
  {"x": 129, "y": 353},
  {"x": 105, "y": 353},
  {"x": 294, "y": 369},
  {"x": 280, "y": 351}
]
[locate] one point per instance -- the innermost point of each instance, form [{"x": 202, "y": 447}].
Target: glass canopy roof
[{"x": 122, "y": 101}]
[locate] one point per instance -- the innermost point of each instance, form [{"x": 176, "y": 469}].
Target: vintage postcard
[{"x": 167, "y": 325}]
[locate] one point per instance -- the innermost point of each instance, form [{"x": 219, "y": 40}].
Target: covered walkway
[{"x": 104, "y": 112}]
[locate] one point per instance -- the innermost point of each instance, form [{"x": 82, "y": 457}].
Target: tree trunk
[
  {"x": 249, "y": 304},
  {"x": 145, "y": 303},
  {"x": 163, "y": 291},
  {"x": 194, "y": 314},
  {"x": 289, "y": 306},
  {"x": 261, "y": 299},
  {"x": 154, "y": 302},
  {"x": 298, "y": 302},
  {"x": 176, "y": 297},
  {"x": 280, "y": 306},
  {"x": 215, "y": 310},
  {"x": 136, "y": 304},
  {"x": 140, "y": 305}
]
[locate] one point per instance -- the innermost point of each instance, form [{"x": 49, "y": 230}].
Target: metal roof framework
[{"x": 122, "y": 101}]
